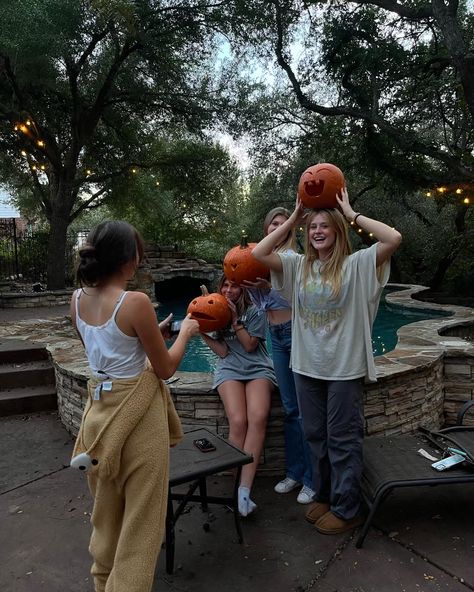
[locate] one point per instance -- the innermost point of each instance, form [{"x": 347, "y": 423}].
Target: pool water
[{"x": 199, "y": 358}]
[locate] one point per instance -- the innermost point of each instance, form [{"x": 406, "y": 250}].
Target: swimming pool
[{"x": 199, "y": 357}]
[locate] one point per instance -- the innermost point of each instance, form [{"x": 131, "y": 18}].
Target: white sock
[{"x": 244, "y": 497}]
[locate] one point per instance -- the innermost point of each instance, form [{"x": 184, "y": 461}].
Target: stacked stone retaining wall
[{"x": 423, "y": 381}]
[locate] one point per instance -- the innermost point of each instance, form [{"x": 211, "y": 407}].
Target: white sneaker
[
  {"x": 305, "y": 496},
  {"x": 286, "y": 485}
]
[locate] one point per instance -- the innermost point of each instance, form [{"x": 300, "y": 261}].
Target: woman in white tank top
[{"x": 129, "y": 421}]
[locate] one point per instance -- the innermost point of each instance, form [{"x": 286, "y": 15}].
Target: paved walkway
[{"x": 423, "y": 540}]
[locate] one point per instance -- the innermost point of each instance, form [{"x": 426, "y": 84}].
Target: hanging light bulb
[
  {"x": 428, "y": 194},
  {"x": 41, "y": 144},
  {"x": 459, "y": 191},
  {"x": 23, "y": 153},
  {"x": 466, "y": 200}
]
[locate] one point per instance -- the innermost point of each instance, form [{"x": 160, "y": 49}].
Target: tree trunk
[
  {"x": 56, "y": 268},
  {"x": 61, "y": 202}
]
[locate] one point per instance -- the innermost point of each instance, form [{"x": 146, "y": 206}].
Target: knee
[
  {"x": 258, "y": 421},
  {"x": 238, "y": 424}
]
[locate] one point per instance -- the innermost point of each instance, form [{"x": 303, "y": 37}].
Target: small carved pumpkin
[
  {"x": 240, "y": 264},
  {"x": 319, "y": 185},
  {"x": 211, "y": 311}
]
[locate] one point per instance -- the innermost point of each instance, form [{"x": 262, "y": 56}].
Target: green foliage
[
  {"x": 94, "y": 86},
  {"x": 192, "y": 200}
]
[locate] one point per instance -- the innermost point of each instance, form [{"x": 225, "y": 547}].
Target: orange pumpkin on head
[
  {"x": 211, "y": 311},
  {"x": 319, "y": 185},
  {"x": 240, "y": 264}
]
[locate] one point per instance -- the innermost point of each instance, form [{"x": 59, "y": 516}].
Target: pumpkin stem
[
  {"x": 243, "y": 241},
  {"x": 204, "y": 290}
]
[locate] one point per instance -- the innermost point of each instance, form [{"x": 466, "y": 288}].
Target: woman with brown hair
[{"x": 244, "y": 379}]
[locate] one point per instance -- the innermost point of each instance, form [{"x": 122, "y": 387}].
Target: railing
[{"x": 24, "y": 252}]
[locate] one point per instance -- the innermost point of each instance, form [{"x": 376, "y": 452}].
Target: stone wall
[
  {"x": 423, "y": 381},
  {"x": 458, "y": 383},
  {"x": 35, "y": 299}
]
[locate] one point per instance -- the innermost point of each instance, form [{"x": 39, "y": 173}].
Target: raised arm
[
  {"x": 264, "y": 251},
  {"x": 388, "y": 238}
]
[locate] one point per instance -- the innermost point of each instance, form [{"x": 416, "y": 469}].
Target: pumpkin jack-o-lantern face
[
  {"x": 240, "y": 264},
  {"x": 211, "y": 311},
  {"x": 319, "y": 185}
]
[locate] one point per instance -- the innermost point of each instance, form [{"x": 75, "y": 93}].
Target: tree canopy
[{"x": 88, "y": 87}]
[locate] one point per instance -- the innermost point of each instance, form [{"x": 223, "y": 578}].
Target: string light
[
  {"x": 40, "y": 143},
  {"x": 23, "y": 153},
  {"x": 88, "y": 172},
  {"x": 450, "y": 191}
]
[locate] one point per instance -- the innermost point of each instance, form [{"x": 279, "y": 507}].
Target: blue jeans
[
  {"x": 297, "y": 453},
  {"x": 333, "y": 421}
]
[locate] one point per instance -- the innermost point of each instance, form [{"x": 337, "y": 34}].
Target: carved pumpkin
[
  {"x": 319, "y": 185},
  {"x": 240, "y": 264},
  {"x": 211, "y": 311}
]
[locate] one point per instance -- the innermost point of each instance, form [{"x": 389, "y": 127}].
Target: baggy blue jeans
[
  {"x": 297, "y": 453},
  {"x": 333, "y": 422}
]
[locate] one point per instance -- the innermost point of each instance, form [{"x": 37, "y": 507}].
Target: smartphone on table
[{"x": 204, "y": 445}]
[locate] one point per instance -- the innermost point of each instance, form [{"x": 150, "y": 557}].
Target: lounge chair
[{"x": 394, "y": 462}]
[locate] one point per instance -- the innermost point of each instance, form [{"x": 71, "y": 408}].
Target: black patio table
[{"x": 190, "y": 465}]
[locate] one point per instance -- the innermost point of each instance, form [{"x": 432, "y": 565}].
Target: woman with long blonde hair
[{"x": 335, "y": 296}]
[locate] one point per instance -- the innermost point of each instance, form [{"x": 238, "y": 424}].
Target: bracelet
[
  {"x": 354, "y": 219},
  {"x": 239, "y": 327}
]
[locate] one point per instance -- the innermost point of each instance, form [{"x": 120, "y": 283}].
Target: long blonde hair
[
  {"x": 331, "y": 270},
  {"x": 289, "y": 242}
]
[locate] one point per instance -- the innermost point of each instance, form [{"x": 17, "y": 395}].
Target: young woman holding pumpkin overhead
[
  {"x": 278, "y": 311},
  {"x": 244, "y": 379},
  {"x": 335, "y": 296}
]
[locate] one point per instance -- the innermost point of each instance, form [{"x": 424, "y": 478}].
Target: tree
[
  {"x": 87, "y": 87},
  {"x": 398, "y": 76},
  {"x": 191, "y": 201}
]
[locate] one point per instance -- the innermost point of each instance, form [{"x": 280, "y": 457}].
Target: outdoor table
[{"x": 190, "y": 465}]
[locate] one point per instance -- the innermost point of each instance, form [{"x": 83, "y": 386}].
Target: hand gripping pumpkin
[
  {"x": 319, "y": 185},
  {"x": 211, "y": 311},
  {"x": 240, "y": 264}
]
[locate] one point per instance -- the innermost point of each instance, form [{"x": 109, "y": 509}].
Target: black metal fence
[{"x": 24, "y": 253}]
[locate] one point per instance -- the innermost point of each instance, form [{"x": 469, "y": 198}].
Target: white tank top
[{"x": 111, "y": 353}]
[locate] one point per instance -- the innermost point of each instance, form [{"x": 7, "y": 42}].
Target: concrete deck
[{"x": 423, "y": 540}]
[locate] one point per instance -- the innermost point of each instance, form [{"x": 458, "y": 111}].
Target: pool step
[{"x": 27, "y": 381}]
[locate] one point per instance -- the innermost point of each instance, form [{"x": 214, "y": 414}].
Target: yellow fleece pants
[{"x": 129, "y": 511}]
